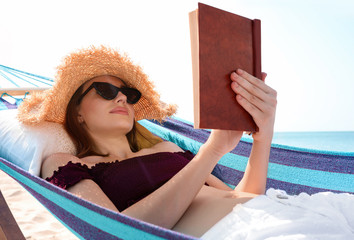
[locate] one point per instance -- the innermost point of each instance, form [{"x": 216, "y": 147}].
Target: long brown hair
[{"x": 138, "y": 138}]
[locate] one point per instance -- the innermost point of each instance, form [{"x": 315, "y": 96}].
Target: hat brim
[{"x": 83, "y": 65}]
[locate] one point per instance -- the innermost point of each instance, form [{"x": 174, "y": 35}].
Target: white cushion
[{"x": 27, "y": 146}]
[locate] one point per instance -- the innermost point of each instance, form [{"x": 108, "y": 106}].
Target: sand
[{"x": 35, "y": 222}]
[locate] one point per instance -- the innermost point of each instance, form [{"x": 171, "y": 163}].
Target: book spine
[{"x": 257, "y": 66}]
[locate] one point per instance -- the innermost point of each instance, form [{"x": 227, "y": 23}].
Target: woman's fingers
[
  {"x": 248, "y": 91},
  {"x": 251, "y": 108},
  {"x": 254, "y": 95},
  {"x": 254, "y": 81},
  {"x": 254, "y": 90},
  {"x": 258, "y": 99}
]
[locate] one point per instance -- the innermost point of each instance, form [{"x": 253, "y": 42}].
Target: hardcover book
[{"x": 222, "y": 42}]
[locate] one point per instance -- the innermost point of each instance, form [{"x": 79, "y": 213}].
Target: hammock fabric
[
  {"x": 16, "y": 80},
  {"x": 291, "y": 169},
  {"x": 11, "y": 78}
]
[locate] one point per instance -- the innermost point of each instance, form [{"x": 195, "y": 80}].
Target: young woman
[{"x": 99, "y": 95}]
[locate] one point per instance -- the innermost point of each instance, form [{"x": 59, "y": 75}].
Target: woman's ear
[{"x": 80, "y": 118}]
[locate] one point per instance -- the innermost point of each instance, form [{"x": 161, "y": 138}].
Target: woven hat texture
[{"x": 83, "y": 65}]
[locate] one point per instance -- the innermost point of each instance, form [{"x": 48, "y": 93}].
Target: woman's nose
[{"x": 121, "y": 97}]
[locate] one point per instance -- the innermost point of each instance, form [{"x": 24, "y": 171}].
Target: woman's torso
[{"x": 207, "y": 208}]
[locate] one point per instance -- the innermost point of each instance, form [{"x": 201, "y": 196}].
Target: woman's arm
[
  {"x": 260, "y": 101},
  {"x": 212, "y": 181},
  {"x": 89, "y": 190},
  {"x": 255, "y": 176},
  {"x": 86, "y": 189},
  {"x": 215, "y": 182},
  {"x": 166, "y": 205}
]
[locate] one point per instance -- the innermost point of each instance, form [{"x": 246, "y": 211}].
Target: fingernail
[
  {"x": 234, "y": 75},
  {"x": 239, "y": 71}
]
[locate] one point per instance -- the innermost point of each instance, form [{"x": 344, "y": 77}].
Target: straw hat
[{"x": 81, "y": 66}]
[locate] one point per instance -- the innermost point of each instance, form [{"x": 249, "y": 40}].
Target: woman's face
[{"x": 101, "y": 116}]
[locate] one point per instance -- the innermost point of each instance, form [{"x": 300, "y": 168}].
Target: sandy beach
[{"x": 35, "y": 222}]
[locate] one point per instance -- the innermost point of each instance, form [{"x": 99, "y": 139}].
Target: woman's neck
[{"x": 114, "y": 146}]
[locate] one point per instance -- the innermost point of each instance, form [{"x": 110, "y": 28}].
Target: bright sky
[{"x": 307, "y": 48}]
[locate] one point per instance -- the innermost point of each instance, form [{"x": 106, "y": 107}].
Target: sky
[{"x": 307, "y": 48}]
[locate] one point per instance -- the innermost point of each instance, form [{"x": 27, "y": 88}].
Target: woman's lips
[{"x": 119, "y": 110}]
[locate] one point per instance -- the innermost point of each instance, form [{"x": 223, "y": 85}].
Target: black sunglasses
[{"x": 109, "y": 92}]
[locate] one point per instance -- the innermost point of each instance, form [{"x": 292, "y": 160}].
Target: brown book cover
[{"x": 222, "y": 42}]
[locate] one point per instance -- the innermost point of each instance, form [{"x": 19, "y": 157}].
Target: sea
[{"x": 322, "y": 141}]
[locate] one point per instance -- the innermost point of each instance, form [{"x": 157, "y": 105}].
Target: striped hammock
[{"x": 291, "y": 169}]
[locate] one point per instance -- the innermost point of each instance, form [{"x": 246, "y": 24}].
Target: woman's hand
[{"x": 259, "y": 100}]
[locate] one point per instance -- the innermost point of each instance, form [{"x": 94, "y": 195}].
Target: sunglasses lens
[
  {"x": 109, "y": 92},
  {"x": 106, "y": 90},
  {"x": 132, "y": 94}
]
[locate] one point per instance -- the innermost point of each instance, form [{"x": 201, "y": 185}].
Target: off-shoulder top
[{"x": 125, "y": 182}]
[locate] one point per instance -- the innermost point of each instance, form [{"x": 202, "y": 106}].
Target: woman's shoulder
[
  {"x": 54, "y": 161},
  {"x": 167, "y": 146}
]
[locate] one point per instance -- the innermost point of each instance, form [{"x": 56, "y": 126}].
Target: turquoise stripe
[
  {"x": 307, "y": 177},
  {"x": 106, "y": 224},
  {"x": 302, "y": 176},
  {"x": 21, "y": 78},
  {"x": 281, "y": 146},
  {"x": 4, "y": 68},
  {"x": 8, "y": 79},
  {"x": 2, "y": 106},
  {"x": 181, "y": 141},
  {"x": 41, "y": 80},
  {"x": 24, "y": 180}
]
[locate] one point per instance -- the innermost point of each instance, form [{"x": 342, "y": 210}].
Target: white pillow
[{"x": 26, "y": 146}]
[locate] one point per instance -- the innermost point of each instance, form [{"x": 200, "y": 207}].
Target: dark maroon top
[{"x": 128, "y": 181}]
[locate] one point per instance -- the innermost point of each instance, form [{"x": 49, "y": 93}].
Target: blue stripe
[
  {"x": 232, "y": 177},
  {"x": 183, "y": 120},
  {"x": 308, "y": 177},
  {"x": 81, "y": 229},
  {"x": 41, "y": 80},
  {"x": 9, "y": 79},
  {"x": 21, "y": 78},
  {"x": 49, "y": 205},
  {"x": 4, "y": 105},
  {"x": 5, "y": 68}
]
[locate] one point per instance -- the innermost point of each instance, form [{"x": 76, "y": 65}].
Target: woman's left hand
[{"x": 259, "y": 100}]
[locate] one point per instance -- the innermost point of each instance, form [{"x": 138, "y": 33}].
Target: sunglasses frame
[{"x": 111, "y": 86}]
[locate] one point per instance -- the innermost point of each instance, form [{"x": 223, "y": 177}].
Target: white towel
[{"x": 278, "y": 215}]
